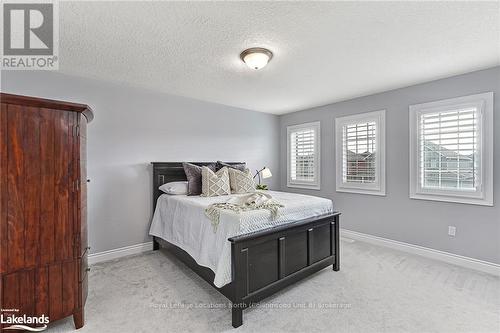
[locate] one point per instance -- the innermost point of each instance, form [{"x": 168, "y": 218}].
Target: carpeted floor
[{"x": 377, "y": 290}]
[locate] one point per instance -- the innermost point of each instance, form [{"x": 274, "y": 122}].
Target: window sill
[
  {"x": 361, "y": 191},
  {"x": 304, "y": 186},
  {"x": 445, "y": 198}
]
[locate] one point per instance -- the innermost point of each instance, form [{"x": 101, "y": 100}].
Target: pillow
[
  {"x": 239, "y": 166},
  {"x": 241, "y": 181},
  {"x": 175, "y": 188},
  {"x": 193, "y": 175},
  {"x": 214, "y": 183}
]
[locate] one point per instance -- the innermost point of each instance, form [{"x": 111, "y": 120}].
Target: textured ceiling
[{"x": 323, "y": 51}]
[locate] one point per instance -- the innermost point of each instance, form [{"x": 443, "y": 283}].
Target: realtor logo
[
  {"x": 30, "y": 35},
  {"x": 10, "y": 319}
]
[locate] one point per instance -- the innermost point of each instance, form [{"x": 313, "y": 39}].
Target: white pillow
[{"x": 175, "y": 188}]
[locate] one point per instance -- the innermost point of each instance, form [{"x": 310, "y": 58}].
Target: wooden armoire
[{"x": 43, "y": 218}]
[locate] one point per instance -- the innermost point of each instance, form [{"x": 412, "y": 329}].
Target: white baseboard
[
  {"x": 120, "y": 252},
  {"x": 480, "y": 265},
  {"x": 347, "y": 235}
]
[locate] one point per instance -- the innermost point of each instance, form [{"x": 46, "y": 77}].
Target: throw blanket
[{"x": 252, "y": 201}]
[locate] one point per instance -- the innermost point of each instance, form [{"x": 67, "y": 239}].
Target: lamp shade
[{"x": 266, "y": 173}]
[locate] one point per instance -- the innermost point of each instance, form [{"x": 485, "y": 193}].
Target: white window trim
[
  {"x": 316, "y": 185},
  {"x": 484, "y": 196},
  {"x": 377, "y": 188}
]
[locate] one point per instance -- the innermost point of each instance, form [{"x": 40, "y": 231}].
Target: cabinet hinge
[
  {"x": 75, "y": 186},
  {"x": 75, "y": 131}
]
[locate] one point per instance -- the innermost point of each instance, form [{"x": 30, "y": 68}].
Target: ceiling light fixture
[{"x": 256, "y": 57}]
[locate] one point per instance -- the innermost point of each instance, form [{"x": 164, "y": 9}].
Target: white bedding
[{"x": 181, "y": 220}]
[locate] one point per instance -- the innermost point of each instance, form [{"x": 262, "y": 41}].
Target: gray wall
[
  {"x": 133, "y": 127},
  {"x": 395, "y": 216}
]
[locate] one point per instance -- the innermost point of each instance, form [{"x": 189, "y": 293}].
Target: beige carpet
[{"x": 377, "y": 290}]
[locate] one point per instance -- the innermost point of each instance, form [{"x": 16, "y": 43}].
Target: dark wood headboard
[{"x": 164, "y": 172}]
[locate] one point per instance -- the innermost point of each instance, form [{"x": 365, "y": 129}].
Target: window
[
  {"x": 451, "y": 150},
  {"x": 360, "y": 153},
  {"x": 304, "y": 156}
]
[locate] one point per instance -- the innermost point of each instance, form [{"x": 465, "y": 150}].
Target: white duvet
[{"x": 181, "y": 220}]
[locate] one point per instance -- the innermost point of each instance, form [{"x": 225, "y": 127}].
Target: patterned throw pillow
[
  {"x": 214, "y": 183},
  {"x": 193, "y": 175},
  {"x": 241, "y": 181}
]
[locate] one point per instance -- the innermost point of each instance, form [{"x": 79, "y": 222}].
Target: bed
[{"x": 250, "y": 256}]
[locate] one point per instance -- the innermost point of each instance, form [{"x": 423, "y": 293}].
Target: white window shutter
[
  {"x": 448, "y": 144},
  {"x": 303, "y": 155}
]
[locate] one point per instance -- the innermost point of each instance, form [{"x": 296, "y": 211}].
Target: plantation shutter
[
  {"x": 359, "y": 152},
  {"x": 303, "y": 155},
  {"x": 448, "y": 143}
]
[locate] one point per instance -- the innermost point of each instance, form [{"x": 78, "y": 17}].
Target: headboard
[{"x": 164, "y": 172}]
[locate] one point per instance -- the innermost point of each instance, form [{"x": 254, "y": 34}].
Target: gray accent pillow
[
  {"x": 239, "y": 166},
  {"x": 193, "y": 175}
]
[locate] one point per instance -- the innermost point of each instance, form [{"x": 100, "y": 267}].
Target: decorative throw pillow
[
  {"x": 239, "y": 166},
  {"x": 193, "y": 175},
  {"x": 214, "y": 183},
  {"x": 241, "y": 181},
  {"x": 175, "y": 188}
]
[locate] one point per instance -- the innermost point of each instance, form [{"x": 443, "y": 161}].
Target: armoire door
[
  {"x": 43, "y": 229},
  {"x": 36, "y": 221}
]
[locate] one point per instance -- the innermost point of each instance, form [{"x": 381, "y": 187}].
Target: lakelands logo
[
  {"x": 30, "y": 35},
  {"x": 24, "y": 322}
]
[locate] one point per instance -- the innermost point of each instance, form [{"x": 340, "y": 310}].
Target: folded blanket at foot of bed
[{"x": 252, "y": 201}]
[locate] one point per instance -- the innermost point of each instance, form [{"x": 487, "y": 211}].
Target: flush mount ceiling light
[{"x": 256, "y": 57}]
